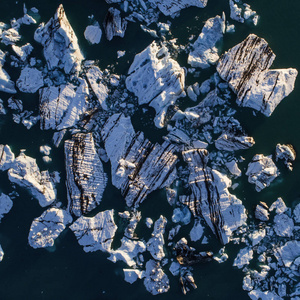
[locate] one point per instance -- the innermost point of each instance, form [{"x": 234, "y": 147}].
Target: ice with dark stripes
[
  {"x": 210, "y": 198},
  {"x": 246, "y": 69},
  {"x": 138, "y": 166},
  {"x": 86, "y": 179}
]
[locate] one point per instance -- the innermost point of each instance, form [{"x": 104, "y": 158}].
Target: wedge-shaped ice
[
  {"x": 6, "y": 157},
  {"x": 6, "y": 85},
  {"x": 95, "y": 78},
  {"x": 60, "y": 43}
]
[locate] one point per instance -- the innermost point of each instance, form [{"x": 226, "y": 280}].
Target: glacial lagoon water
[{"x": 66, "y": 271}]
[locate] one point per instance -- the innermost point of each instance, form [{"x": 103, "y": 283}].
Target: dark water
[{"x": 66, "y": 272}]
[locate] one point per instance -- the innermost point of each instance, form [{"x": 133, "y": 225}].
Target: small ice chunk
[
  {"x": 120, "y": 53},
  {"x": 222, "y": 256},
  {"x": 174, "y": 268},
  {"x": 149, "y": 222},
  {"x": 10, "y": 36},
  {"x": 197, "y": 231},
  {"x": 47, "y": 159},
  {"x": 124, "y": 215},
  {"x": 25, "y": 172},
  {"x": 93, "y": 33},
  {"x": 156, "y": 281},
  {"x": 284, "y": 225},
  {"x": 1, "y": 253},
  {"x": 262, "y": 212},
  {"x": 257, "y": 235},
  {"x": 297, "y": 213},
  {"x": 247, "y": 283},
  {"x": 5, "y": 205},
  {"x": 279, "y": 205},
  {"x": 181, "y": 215},
  {"x": 45, "y": 149},
  {"x": 30, "y": 80},
  {"x": 46, "y": 228},
  {"x": 243, "y": 258},
  {"x": 95, "y": 233},
  {"x": 155, "y": 244},
  {"x": 233, "y": 168},
  {"x": 131, "y": 275},
  {"x": 34, "y": 10}
]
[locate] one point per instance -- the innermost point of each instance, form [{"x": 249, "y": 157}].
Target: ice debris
[{"x": 261, "y": 171}]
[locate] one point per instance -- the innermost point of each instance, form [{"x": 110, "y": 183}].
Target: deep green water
[{"x": 67, "y": 272}]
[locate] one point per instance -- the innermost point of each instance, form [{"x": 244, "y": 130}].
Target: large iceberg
[
  {"x": 222, "y": 211},
  {"x": 138, "y": 166},
  {"x": 246, "y": 68},
  {"x": 156, "y": 79},
  {"x": 86, "y": 179}
]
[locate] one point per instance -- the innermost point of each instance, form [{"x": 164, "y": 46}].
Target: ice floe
[
  {"x": 95, "y": 233},
  {"x": 205, "y": 51},
  {"x": 26, "y": 173},
  {"x": 46, "y": 228}
]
